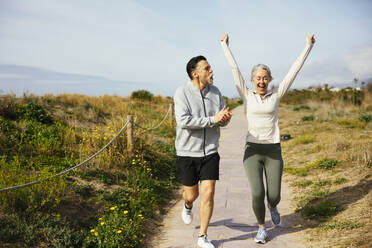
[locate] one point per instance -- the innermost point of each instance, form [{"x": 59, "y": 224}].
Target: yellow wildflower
[
  {"x": 143, "y": 235},
  {"x": 92, "y": 230},
  {"x": 100, "y": 219},
  {"x": 119, "y": 231},
  {"x": 140, "y": 215},
  {"x": 105, "y": 138},
  {"x": 134, "y": 236},
  {"x": 96, "y": 234},
  {"x": 113, "y": 208},
  {"x": 125, "y": 211},
  {"x": 140, "y": 240},
  {"x": 102, "y": 223}
]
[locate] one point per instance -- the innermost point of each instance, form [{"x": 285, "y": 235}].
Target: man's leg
[
  {"x": 190, "y": 193},
  {"x": 207, "y": 188}
]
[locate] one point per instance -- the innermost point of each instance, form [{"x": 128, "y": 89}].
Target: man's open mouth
[{"x": 261, "y": 86}]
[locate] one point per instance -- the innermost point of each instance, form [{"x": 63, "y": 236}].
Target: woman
[{"x": 262, "y": 150}]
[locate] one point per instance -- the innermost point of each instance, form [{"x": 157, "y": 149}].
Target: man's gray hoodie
[{"x": 197, "y": 134}]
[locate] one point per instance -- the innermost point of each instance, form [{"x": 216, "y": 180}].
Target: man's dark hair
[{"x": 191, "y": 65}]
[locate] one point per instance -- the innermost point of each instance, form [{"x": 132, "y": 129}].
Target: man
[{"x": 200, "y": 112}]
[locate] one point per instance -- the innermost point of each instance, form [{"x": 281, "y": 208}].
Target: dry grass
[
  {"x": 347, "y": 185},
  {"x": 81, "y": 126}
]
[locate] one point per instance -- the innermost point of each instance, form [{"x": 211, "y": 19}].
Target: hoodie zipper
[{"x": 205, "y": 114}]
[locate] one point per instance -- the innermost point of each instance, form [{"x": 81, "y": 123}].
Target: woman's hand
[
  {"x": 225, "y": 38},
  {"x": 310, "y": 39}
]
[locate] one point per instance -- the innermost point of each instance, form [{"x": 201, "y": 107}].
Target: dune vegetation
[
  {"x": 328, "y": 164},
  {"x": 112, "y": 200}
]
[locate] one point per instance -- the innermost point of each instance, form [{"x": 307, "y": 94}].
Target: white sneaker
[
  {"x": 203, "y": 242},
  {"x": 186, "y": 215},
  {"x": 261, "y": 236}
]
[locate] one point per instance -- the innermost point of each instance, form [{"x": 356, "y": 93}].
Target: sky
[{"x": 97, "y": 47}]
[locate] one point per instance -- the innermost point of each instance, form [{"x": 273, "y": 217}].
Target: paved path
[{"x": 233, "y": 223}]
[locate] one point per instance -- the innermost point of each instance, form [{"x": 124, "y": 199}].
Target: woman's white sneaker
[
  {"x": 186, "y": 215},
  {"x": 203, "y": 242},
  {"x": 261, "y": 236}
]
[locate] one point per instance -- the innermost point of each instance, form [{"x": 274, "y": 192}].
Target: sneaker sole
[
  {"x": 259, "y": 241},
  {"x": 186, "y": 222}
]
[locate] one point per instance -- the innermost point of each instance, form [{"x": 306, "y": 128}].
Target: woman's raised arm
[
  {"x": 238, "y": 78},
  {"x": 296, "y": 67}
]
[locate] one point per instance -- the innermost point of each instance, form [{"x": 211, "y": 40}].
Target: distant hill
[{"x": 343, "y": 84}]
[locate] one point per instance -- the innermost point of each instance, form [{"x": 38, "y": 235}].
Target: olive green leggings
[{"x": 267, "y": 158}]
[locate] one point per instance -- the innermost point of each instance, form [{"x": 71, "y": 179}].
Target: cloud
[
  {"x": 359, "y": 62},
  {"x": 337, "y": 69}
]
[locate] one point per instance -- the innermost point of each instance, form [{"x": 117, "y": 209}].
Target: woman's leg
[
  {"x": 273, "y": 172},
  {"x": 254, "y": 169}
]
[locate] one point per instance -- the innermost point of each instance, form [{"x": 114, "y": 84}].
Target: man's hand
[
  {"x": 223, "y": 116},
  {"x": 225, "y": 38},
  {"x": 310, "y": 39}
]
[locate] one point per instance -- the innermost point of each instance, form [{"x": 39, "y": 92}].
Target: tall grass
[
  {"x": 41, "y": 136},
  {"x": 330, "y": 163}
]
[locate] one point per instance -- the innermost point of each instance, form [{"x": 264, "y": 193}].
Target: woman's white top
[{"x": 262, "y": 114}]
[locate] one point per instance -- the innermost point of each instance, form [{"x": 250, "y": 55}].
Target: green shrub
[
  {"x": 33, "y": 111},
  {"x": 308, "y": 118},
  {"x": 35, "y": 196},
  {"x": 303, "y": 184},
  {"x": 323, "y": 209},
  {"x": 341, "y": 225},
  {"x": 365, "y": 118},
  {"x": 302, "y": 172},
  {"x": 84, "y": 190},
  {"x": 6, "y": 126},
  {"x": 142, "y": 95},
  {"x": 118, "y": 228},
  {"x": 298, "y": 108},
  {"x": 305, "y": 140},
  {"x": 29, "y": 228},
  {"x": 352, "y": 123},
  {"x": 340, "y": 180},
  {"x": 327, "y": 164},
  {"x": 323, "y": 183}
]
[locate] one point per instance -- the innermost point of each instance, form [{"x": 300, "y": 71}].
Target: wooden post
[
  {"x": 171, "y": 105},
  {"x": 130, "y": 142}
]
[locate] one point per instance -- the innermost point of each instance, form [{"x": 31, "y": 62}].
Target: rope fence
[{"x": 128, "y": 125}]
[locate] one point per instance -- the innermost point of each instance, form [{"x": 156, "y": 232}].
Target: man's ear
[{"x": 194, "y": 74}]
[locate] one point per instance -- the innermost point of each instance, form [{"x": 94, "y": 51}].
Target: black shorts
[{"x": 195, "y": 169}]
